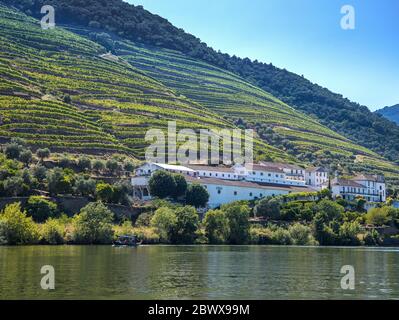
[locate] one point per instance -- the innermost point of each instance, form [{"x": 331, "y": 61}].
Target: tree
[
  {"x": 181, "y": 186},
  {"x": 128, "y": 166},
  {"x": 104, "y": 192},
  {"x": 121, "y": 191},
  {"x": 93, "y": 225},
  {"x": 17, "y": 228},
  {"x": 40, "y": 173},
  {"x": 84, "y": 164},
  {"x": 301, "y": 234},
  {"x": 43, "y": 153},
  {"x": 162, "y": 184},
  {"x": 13, "y": 151},
  {"x": 165, "y": 220},
  {"x": 40, "y": 208},
  {"x": 238, "y": 216},
  {"x": 112, "y": 165},
  {"x": 15, "y": 186},
  {"x": 59, "y": 182},
  {"x": 85, "y": 187},
  {"x": 216, "y": 226},
  {"x": 186, "y": 225},
  {"x": 268, "y": 207},
  {"x": 197, "y": 195},
  {"x": 26, "y": 156},
  {"x": 332, "y": 209},
  {"x": 98, "y": 165}
]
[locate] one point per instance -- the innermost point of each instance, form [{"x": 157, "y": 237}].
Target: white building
[
  {"x": 224, "y": 184},
  {"x": 227, "y": 191},
  {"x": 370, "y": 187},
  {"x": 316, "y": 177}
]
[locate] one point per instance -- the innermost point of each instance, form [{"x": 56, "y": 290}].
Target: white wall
[{"x": 221, "y": 194}]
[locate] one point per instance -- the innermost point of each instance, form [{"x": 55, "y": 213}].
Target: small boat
[{"x": 126, "y": 241}]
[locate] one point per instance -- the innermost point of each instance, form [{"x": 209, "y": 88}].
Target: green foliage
[
  {"x": 162, "y": 184},
  {"x": 53, "y": 231},
  {"x": 377, "y": 216},
  {"x": 186, "y": 225},
  {"x": 144, "y": 220},
  {"x": 84, "y": 164},
  {"x": 301, "y": 234},
  {"x": 98, "y": 165},
  {"x": 268, "y": 207},
  {"x": 197, "y": 195},
  {"x": 85, "y": 187},
  {"x": 93, "y": 225},
  {"x": 348, "y": 233},
  {"x": 237, "y": 216},
  {"x": 181, "y": 186},
  {"x": 40, "y": 209},
  {"x": 165, "y": 221},
  {"x": 13, "y": 151},
  {"x": 59, "y": 181},
  {"x": 216, "y": 226},
  {"x": 104, "y": 192},
  {"x": 43, "y": 153},
  {"x": 16, "y": 227}
]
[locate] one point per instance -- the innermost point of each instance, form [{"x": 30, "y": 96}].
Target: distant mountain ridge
[{"x": 391, "y": 113}]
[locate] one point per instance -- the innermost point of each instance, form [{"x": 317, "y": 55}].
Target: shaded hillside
[
  {"x": 350, "y": 119},
  {"x": 390, "y": 113}
]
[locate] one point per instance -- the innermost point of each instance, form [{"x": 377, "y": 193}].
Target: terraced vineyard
[
  {"x": 59, "y": 89},
  {"x": 112, "y": 104}
]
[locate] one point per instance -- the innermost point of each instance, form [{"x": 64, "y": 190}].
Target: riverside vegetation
[{"x": 299, "y": 219}]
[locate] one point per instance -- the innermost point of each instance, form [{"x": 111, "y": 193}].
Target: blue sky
[{"x": 303, "y": 36}]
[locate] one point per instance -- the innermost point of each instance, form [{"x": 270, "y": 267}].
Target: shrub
[
  {"x": 197, "y": 195},
  {"x": 372, "y": 238},
  {"x": 148, "y": 235},
  {"x": 281, "y": 236},
  {"x": 348, "y": 232},
  {"x": 112, "y": 165},
  {"x": 104, "y": 192},
  {"x": 93, "y": 225},
  {"x": 53, "y": 231},
  {"x": 377, "y": 216},
  {"x": 144, "y": 220},
  {"x": 216, "y": 226},
  {"x": 40, "y": 173},
  {"x": 260, "y": 235},
  {"x": 301, "y": 234},
  {"x": 17, "y": 228},
  {"x": 164, "y": 220},
  {"x": 40, "y": 209}
]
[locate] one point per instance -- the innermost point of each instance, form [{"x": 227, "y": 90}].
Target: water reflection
[{"x": 200, "y": 272}]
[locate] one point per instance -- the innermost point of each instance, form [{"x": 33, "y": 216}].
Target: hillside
[
  {"x": 390, "y": 113},
  {"x": 347, "y": 118},
  {"x": 61, "y": 90}
]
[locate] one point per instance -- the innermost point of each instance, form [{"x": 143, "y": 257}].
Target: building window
[
  {"x": 250, "y": 194},
  {"x": 235, "y": 193},
  {"x": 219, "y": 191},
  {"x": 261, "y": 195}
]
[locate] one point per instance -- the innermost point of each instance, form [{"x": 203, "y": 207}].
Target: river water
[{"x": 198, "y": 272}]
